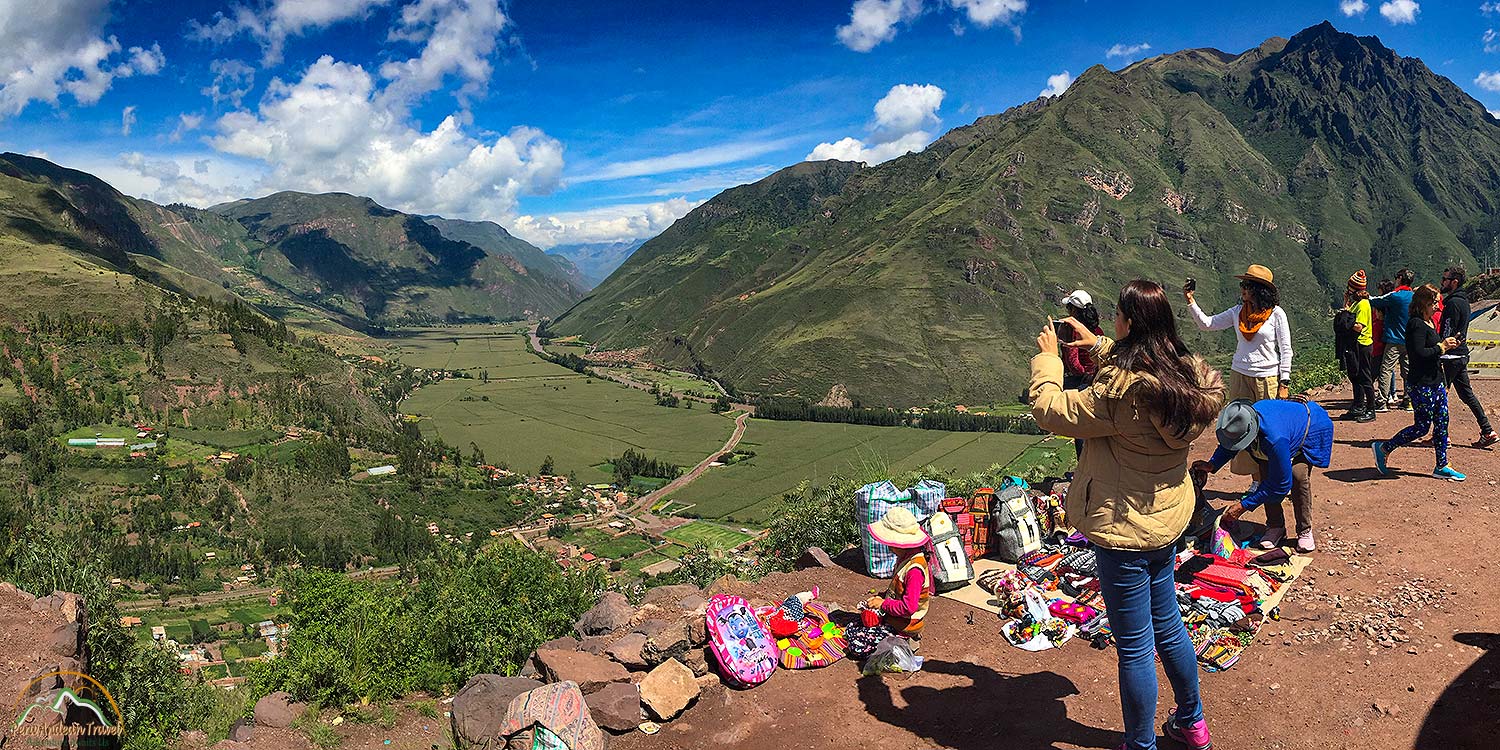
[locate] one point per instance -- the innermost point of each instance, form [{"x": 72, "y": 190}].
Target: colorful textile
[
  {"x": 1251, "y": 320},
  {"x": 553, "y": 713},
  {"x": 1431, "y": 405},
  {"x": 873, "y": 501},
  {"x": 817, "y": 643},
  {"x": 861, "y": 641}
]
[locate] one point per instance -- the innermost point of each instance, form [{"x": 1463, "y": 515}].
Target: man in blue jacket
[
  {"x": 1396, "y": 308},
  {"x": 1286, "y": 439}
]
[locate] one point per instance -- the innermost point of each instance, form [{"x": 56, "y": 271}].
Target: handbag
[{"x": 873, "y": 501}]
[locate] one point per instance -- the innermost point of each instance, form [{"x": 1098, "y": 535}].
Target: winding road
[{"x": 649, "y": 499}]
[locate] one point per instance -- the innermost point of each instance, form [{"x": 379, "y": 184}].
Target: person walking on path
[
  {"x": 1262, "y": 366},
  {"x": 1079, "y": 365},
  {"x": 1455, "y": 325},
  {"x": 1396, "y": 309},
  {"x": 1361, "y": 364},
  {"x": 1286, "y": 439},
  {"x": 1428, "y": 392},
  {"x": 1131, "y": 494}
]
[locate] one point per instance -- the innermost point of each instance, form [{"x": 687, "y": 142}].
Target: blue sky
[{"x": 587, "y": 121}]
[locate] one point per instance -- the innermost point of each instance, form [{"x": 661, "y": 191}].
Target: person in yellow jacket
[{"x": 1131, "y": 494}]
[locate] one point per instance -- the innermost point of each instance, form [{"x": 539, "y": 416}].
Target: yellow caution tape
[{"x": 1473, "y": 342}]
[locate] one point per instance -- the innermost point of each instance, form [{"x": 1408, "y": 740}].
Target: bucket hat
[
  {"x": 1239, "y": 425},
  {"x": 1257, "y": 273},
  {"x": 899, "y": 528}
]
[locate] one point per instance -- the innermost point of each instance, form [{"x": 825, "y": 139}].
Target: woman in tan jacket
[{"x": 1131, "y": 495}]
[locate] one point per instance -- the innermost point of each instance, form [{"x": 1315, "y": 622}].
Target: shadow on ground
[
  {"x": 1464, "y": 717},
  {"x": 1018, "y": 712}
]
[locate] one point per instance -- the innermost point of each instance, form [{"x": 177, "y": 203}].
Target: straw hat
[
  {"x": 899, "y": 529},
  {"x": 1257, "y": 273}
]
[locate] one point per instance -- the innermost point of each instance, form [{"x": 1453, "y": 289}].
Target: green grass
[
  {"x": 788, "y": 453},
  {"x": 498, "y": 349},
  {"x": 225, "y": 439},
  {"x": 550, "y": 410},
  {"x": 178, "y": 622},
  {"x": 671, "y": 380},
  {"x": 603, "y": 545},
  {"x": 710, "y": 534}
]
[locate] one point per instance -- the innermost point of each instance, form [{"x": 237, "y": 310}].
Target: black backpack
[{"x": 1344, "y": 337}]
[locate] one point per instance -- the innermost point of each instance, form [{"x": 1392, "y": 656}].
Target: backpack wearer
[
  {"x": 951, "y": 568},
  {"x": 1016, "y": 530}
]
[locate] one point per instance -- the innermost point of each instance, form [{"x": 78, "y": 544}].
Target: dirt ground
[
  {"x": 1389, "y": 641},
  {"x": 25, "y": 634}
]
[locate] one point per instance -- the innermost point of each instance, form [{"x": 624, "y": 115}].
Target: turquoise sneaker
[
  {"x": 1380, "y": 454},
  {"x": 1450, "y": 474}
]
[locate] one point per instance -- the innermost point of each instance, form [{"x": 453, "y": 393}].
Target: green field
[
  {"x": 531, "y": 409},
  {"x": 498, "y": 349},
  {"x": 788, "y": 453},
  {"x": 712, "y": 535},
  {"x": 178, "y": 622},
  {"x": 670, "y": 380},
  {"x": 603, "y": 545}
]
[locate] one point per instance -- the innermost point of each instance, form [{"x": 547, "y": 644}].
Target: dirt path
[
  {"x": 1388, "y": 642},
  {"x": 647, "y": 500}
]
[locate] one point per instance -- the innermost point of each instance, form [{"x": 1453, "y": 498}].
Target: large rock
[
  {"x": 278, "y": 711},
  {"x": 479, "y": 708},
  {"x": 630, "y": 650},
  {"x": 814, "y": 557},
  {"x": 588, "y": 671},
  {"x": 616, "y": 707},
  {"x": 560, "y": 708},
  {"x": 672, "y": 596},
  {"x": 669, "y": 690},
  {"x": 696, "y": 659},
  {"x": 66, "y": 640},
  {"x": 565, "y": 643},
  {"x": 596, "y": 644},
  {"x": 697, "y": 626},
  {"x": 722, "y": 584},
  {"x": 665, "y": 639},
  {"x": 241, "y": 731},
  {"x": 612, "y": 613}
]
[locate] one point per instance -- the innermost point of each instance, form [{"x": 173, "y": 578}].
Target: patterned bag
[
  {"x": 862, "y": 640},
  {"x": 951, "y": 569},
  {"x": 979, "y": 510},
  {"x": 1013, "y": 518},
  {"x": 873, "y": 501}
]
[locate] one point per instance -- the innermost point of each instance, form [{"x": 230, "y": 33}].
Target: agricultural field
[
  {"x": 669, "y": 380},
  {"x": 788, "y": 453},
  {"x": 472, "y": 349},
  {"x": 712, "y": 535},
  {"x": 179, "y": 623},
  {"x": 603, "y": 545},
  {"x": 531, "y": 409}
]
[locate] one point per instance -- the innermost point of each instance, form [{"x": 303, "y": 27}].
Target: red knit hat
[{"x": 1357, "y": 281}]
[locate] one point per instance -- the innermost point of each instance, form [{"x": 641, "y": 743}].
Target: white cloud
[
  {"x": 873, "y": 22},
  {"x": 708, "y": 156},
  {"x": 1487, "y": 80},
  {"x": 56, "y": 47},
  {"x": 611, "y": 224},
  {"x": 166, "y": 178},
  {"x": 127, "y": 120},
  {"x": 1495, "y": 113},
  {"x": 1400, "y": 11},
  {"x": 1126, "y": 50},
  {"x": 1057, "y": 84},
  {"x": 1352, "y": 8},
  {"x": 186, "y": 123},
  {"x": 333, "y": 130},
  {"x": 233, "y": 80},
  {"x": 902, "y": 119},
  {"x": 1490, "y": 8},
  {"x": 458, "y": 37},
  {"x": 273, "y": 24},
  {"x": 1491, "y": 41}
]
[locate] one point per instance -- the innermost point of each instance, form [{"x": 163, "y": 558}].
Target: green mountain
[
  {"x": 926, "y": 277},
  {"x": 596, "y": 260},
  {"x": 495, "y": 240}
]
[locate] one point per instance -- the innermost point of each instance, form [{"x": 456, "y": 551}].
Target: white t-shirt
[{"x": 1267, "y": 353}]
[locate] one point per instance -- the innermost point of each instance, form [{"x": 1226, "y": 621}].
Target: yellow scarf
[{"x": 1250, "y": 322}]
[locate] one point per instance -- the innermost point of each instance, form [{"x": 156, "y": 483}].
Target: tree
[{"x": 547, "y": 467}]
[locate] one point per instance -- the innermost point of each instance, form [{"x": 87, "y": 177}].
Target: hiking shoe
[
  {"x": 1380, "y": 453},
  {"x": 1194, "y": 736},
  {"x": 1487, "y": 439},
  {"x": 1272, "y": 538},
  {"x": 1365, "y": 417},
  {"x": 1305, "y": 542},
  {"x": 1382, "y": 408},
  {"x": 1450, "y": 474}
]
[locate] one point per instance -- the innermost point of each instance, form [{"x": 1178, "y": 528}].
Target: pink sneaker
[
  {"x": 1272, "y": 538},
  {"x": 1305, "y": 543},
  {"x": 1195, "y": 737}
]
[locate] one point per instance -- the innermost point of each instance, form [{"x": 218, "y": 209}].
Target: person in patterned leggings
[{"x": 1429, "y": 393}]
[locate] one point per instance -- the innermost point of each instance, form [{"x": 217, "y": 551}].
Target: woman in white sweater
[{"x": 1262, "y": 365}]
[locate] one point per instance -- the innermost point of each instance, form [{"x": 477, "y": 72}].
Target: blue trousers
[{"x": 1142, "y": 607}]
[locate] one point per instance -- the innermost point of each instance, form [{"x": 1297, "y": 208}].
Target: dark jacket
[
  {"x": 1422, "y": 348},
  {"x": 1289, "y": 430},
  {"x": 1456, "y": 314}
]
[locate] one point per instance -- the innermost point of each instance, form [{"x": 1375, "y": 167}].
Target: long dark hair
[
  {"x": 1088, "y": 315},
  {"x": 1152, "y": 346},
  {"x": 1262, "y": 296}
]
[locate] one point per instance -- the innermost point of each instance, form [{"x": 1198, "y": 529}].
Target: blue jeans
[{"x": 1142, "y": 606}]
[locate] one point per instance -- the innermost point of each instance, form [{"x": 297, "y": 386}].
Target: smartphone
[
  {"x": 1062, "y": 329},
  {"x": 1191, "y": 285}
]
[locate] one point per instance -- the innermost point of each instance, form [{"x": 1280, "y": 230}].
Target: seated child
[{"x": 904, "y": 606}]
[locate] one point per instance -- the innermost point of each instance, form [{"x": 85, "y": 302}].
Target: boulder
[
  {"x": 616, "y": 707},
  {"x": 241, "y": 731},
  {"x": 697, "y": 625},
  {"x": 66, "y": 640},
  {"x": 565, "y": 643},
  {"x": 595, "y": 644},
  {"x": 277, "y": 711},
  {"x": 479, "y": 708},
  {"x": 669, "y": 689},
  {"x": 558, "y": 707},
  {"x": 696, "y": 659},
  {"x": 612, "y": 613},
  {"x": 529, "y": 668},
  {"x": 630, "y": 650},
  {"x": 665, "y": 639},
  {"x": 589, "y": 672},
  {"x": 721, "y": 585},
  {"x": 672, "y": 596},
  {"x": 814, "y": 557},
  {"x": 692, "y": 603}
]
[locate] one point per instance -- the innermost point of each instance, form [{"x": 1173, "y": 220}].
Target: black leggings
[{"x": 1362, "y": 374}]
